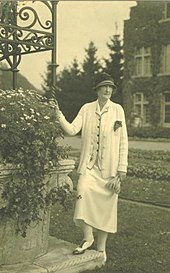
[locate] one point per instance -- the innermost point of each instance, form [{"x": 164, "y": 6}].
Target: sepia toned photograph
[{"x": 84, "y": 136}]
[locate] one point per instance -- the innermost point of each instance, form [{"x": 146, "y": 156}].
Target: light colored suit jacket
[{"x": 98, "y": 135}]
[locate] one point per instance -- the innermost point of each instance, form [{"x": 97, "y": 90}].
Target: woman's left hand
[{"x": 114, "y": 184}]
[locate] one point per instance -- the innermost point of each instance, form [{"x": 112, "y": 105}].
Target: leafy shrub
[
  {"x": 149, "y": 132},
  {"x": 28, "y": 141},
  {"x": 149, "y": 171},
  {"x": 149, "y": 155},
  {"x": 149, "y": 164}
]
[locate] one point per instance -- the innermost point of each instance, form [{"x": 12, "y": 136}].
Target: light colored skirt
[{"x": 96, "y": 205}]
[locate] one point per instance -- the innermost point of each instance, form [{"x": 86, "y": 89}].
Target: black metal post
[
  {"x": 15, "y": 71},
  {"x": 53, "y": 64}
]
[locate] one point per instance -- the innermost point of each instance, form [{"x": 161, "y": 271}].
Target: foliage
[
  {"x": 6, "y": 11},
  {"x": 91, "y": 66},
  {"x": 149, "y": 171},
  {"x": 71, "y": 84},
  {"x": 149, "y": 164},
  {"x": 47, "y": 82},
  {"x": 144, "y": 29},
  {"x": 114, "y": 65},
  {"x": 149, "y": 132},
  {"x": 28, "y": 141},
  {"x": 135, "y": 154}
]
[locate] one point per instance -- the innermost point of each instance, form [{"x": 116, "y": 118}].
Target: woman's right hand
[{"x": 54, "y": 104}]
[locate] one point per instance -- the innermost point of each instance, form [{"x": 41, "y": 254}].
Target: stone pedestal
[{"x": 14, "y": 248}]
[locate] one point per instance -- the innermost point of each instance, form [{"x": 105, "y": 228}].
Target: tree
[
  {"x": 91, "y": 66},
  {"x": 70, "y": 96},
  {"x": 114, "y": 65}
]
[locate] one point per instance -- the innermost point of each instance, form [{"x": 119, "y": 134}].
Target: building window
[
  {"x": 165, "y": 60},
  {"x": 143, "y": 62},
  {"x": 167, "y": 10},
  {"x": 167, "y": 107},
  {"x": 141, "y": 107}
]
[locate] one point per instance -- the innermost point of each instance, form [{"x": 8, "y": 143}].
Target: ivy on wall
[{"x": 144, "y": 29}]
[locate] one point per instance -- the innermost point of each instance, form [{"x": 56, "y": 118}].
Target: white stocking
[
  {"x": 101, "y": 240},
  {"x": 88, "y": 232}
]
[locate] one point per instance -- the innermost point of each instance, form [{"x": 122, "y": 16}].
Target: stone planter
[{"x": 16, "y": 249}]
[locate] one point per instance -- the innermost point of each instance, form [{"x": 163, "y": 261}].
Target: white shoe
[{"x": 82, "y": 247}]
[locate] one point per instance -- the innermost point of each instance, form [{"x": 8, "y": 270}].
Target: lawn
[{"x": 142, "y": 244}]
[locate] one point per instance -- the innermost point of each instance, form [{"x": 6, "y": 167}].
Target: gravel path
[{"x": 75, "y": 142}]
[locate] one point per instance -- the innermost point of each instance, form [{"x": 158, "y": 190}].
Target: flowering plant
[
  {"x": 117, "y": 124},
  {"x": 28, "y": 141}
]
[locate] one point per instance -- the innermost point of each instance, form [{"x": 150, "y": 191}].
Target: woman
[{"x": 103, "y": 163}]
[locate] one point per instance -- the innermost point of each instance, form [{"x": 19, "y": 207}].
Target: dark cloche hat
[{"x": 102, "y": 79}]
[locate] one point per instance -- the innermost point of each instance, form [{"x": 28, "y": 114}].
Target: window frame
[
  {"x": 143, "y": 102},
  {"x": 164, "y": 57},
  {"x": 164, "y": 106},
  {"x": 141, "y": 55},
  {"x": 165, "y": 13}
]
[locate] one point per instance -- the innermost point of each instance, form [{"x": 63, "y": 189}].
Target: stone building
[{"x": 146, "y": 84}]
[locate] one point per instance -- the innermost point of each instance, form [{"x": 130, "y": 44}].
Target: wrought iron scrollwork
[
  {"x": 17, "y": 40},
  {"x": 25, "y": 13},
  {"x": 10, "y": 50}
]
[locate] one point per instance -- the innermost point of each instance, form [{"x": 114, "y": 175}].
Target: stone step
[{"x": 59, "y": 259}]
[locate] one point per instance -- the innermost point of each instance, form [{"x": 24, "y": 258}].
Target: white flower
[
  {"x": 46, "y": 117},
  {"x": 3, "y": 125},
  {"x": 22, "y": 104},
  {"x": 2, "y": 109}
]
